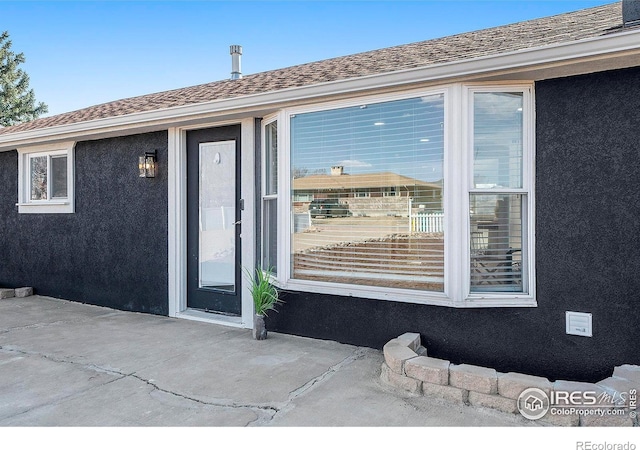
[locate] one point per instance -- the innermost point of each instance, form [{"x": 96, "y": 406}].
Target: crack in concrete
[
  {"x": 43, "y": 325},
  {"x": 265, "y": 412},
  {"x": 358, "y": 353},
  {"x": 208, "y": 403},
  {"x": 258, "y": 409},
  {"x": 60, "y": 400},
  {"x": 92, "y": 367},
  {"x": 312, "y": 384}
]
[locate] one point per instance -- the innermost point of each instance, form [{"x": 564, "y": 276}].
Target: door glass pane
[
  {"x": 497, "y": 243},
  {"x": 497, "y": 140},
  {"x": 59, "y": 177},
  {"x": 38, "y": 171},
  {"x": 217, "y": 231},
  {"x": 367, "y": 194}
]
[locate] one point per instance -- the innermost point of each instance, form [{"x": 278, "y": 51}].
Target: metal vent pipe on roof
[
  {"x": 630, "y": 13},
  {"x": 236, "y": 53}
]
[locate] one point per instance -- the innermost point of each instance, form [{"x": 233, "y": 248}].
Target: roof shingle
[{"x": 587, "y": 23}]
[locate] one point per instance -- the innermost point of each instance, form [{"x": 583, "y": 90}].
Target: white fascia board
[{"x": 597, "y": 48}]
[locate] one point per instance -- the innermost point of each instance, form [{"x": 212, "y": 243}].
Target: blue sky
[{"x": 85, "y": 53}]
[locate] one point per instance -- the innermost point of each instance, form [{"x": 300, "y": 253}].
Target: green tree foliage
[{"x": 17, "y": 101}]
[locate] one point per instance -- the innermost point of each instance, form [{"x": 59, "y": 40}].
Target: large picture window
[
  {"x": 349, "y": 160},
  {"x": 421, "y": 198}
]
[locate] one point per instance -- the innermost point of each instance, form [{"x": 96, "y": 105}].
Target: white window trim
[
  {"x": 456, "y": 204},
  {"x": 49, "y": 206}
]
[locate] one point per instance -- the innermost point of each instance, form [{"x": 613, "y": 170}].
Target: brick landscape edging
[
  {"x": 407, "y": 366},
  {"x": 18, "y": 292}
]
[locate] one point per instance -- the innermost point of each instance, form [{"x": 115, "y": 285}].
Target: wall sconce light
[{"x": 147, "y": 164}]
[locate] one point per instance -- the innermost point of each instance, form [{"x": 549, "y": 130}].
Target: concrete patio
[{"x": 69, "y": 364}]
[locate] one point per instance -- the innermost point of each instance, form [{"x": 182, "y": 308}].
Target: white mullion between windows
[
  {"x": 281, "y": 186},
  {"x": 455, "y": 173},
  {"x": 466, "y": 113},
  {"x": 284, "y": 213}
]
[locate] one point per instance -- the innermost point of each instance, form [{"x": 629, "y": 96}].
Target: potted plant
[{"x": 265, "y": 298}]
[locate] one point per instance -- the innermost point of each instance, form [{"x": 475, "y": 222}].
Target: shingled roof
[
  {"x": 363, "y": 180},
  {"x": 586, "y": 23}
]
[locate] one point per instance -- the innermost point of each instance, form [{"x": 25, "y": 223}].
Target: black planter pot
[{"x": 259, "y": 329}]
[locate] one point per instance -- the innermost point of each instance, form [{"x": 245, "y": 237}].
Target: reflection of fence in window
[{"x": 427, "y": 222}]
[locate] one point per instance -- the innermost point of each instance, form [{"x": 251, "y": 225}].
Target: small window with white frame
[
  {"x": 46, "y": 179},
  {"x": 500, "y": 190},
  {"x": 269, "y": 259}
]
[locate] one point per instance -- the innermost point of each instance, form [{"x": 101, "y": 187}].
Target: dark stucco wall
[
  {"x": 588, "y": 211},
  {"x": 587, "y": 253},
  {"x": 113, "y": 250}
]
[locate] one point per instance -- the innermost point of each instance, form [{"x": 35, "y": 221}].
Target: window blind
[{"x": 366, "y": 194}]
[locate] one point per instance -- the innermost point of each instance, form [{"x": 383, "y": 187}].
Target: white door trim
[{"x": 177, "y": 223}]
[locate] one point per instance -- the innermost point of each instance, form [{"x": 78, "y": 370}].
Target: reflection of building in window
[
  {"x": 303, "y": 198},
  {"x": 370, "y": 194},
  {"x": 391, "y": 191},
  {"x": 368, "y": 229}
]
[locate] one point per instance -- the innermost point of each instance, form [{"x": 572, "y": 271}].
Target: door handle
[{"x": 238, "y": 222}]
